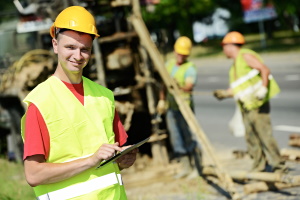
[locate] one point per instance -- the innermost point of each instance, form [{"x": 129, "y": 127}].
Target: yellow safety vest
[
  {"x": 245, "y": 81},
  {"x": 179, "y": 77},
  {"x": 77, "y": 131}
]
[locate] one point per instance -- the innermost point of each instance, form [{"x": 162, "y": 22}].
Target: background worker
[
  {"x": 71, "y": 125},
  {"x": 185, "y": 74},
  {"x": 252, "y": 86}
]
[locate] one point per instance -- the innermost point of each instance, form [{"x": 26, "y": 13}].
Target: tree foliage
[
  {"x": 178, "y": 14},
  {"x": 288, "y": 11},
  {"x": 7, "y": 10},
  {"x": 288, "y": 7}
]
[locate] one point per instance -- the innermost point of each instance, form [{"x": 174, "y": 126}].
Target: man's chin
[{"x": 76, "y": 69}]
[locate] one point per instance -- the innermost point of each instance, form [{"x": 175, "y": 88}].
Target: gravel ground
[{"x": 147, "y": 181}]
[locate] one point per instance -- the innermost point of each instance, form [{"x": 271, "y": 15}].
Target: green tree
[
  {"x": 288, "y": 11},
  {"x": 7, "y": 10},
  {"x": 177, "y": 15},
  {"x": 180, "y": 15}
]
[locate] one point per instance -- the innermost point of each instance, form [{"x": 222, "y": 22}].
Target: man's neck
[
  {"x": 74, "y": 78},
  {"x": 180, "y": 63},
  {"x": 235, "y": 53}
]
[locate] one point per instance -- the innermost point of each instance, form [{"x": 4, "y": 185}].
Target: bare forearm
[
  {"x": 162, "y": 92},
  {"x": 188, "y": 87},
  {"x": 39, "y": 172},
  {"x": 162, "y": 95},
  {"x": 254, "y": 63},
  {"x": 265, "y": 76},
  {"x": 229, "y": 92},
  {"x": 45, "y": 173}
]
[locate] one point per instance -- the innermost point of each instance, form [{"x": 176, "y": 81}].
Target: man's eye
[
  {"x": 85, "y": 50},
  {"x": 70, "y": 47}
]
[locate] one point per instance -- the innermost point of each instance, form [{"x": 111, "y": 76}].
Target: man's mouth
[{"x": 76, "y": 63}]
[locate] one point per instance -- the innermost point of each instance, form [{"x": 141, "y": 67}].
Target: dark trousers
[{"x": 261, "y": 144}]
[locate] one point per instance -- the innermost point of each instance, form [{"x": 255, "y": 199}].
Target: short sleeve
[
  {"x": 120, "y": 133},
  {"x": 36, "y": 139},
  {"x": 191, "y": 75}
]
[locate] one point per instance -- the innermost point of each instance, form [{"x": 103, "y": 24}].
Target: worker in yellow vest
[
  {"x": 184, "y": 72},
  {"x": 252, "y": 86},
  {"x": 71, "y": 125}
]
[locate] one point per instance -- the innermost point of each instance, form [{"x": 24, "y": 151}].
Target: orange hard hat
[
  {"x": 233, "y": 37},
  {"x": 75, "y": 18},
  {"x": 183, "y": 45}
]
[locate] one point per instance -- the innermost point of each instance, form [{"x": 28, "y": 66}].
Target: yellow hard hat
[
  {"x": 183, "y": 45},
  {"x": 75, "y": 18},
  {"x": 233, "y": 37}
]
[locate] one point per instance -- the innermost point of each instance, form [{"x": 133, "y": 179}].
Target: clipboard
[{"x": 122, "y": 153}]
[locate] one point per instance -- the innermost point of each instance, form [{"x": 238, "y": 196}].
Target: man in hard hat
[
  {"x": 71, "y": 125},
  {"x": 252, "y": 86},
  {"x": 185, "y": 74}
]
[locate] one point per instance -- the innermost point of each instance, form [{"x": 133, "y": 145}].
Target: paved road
[{"x": 214, "y": 115}]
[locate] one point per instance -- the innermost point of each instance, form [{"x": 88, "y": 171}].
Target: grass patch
[
  {"x": 13, "y": 184},
  {"x": 282, "y": 41}
]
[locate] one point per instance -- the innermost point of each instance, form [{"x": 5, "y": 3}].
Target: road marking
[
  {"x": 292, "y": 77},
  {"x": 287, "y": 128}
]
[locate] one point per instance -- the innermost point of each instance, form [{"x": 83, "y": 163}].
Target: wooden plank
[
  {"x": 258, "y": 176},
  {"x": 256, "y": 187},
  {"x": 294, "y": 140},
  {"x": 188, "y": 114},
  {"x": 290, "y": 154}
]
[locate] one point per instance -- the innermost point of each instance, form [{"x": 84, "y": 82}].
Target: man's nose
[{"x": 78, "y": 54}]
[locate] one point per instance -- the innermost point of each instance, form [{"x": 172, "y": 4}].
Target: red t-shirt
[{"x": 37, "y": 139}]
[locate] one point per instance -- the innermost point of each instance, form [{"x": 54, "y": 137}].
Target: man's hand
[
  {"x": 161, "y": 106},
  {"x": 222, "y": 94},
  {"x": 128, "y": 159},
  {"x": 105, "y": 152},
  {"x": 261, "y": 93}
]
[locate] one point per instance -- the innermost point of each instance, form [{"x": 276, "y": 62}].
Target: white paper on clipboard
[{"x": 122, "y": 153}]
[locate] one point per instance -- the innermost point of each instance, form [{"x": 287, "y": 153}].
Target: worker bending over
[{"x": 252, "y": 86}]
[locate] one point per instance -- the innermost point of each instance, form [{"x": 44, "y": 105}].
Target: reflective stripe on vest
[
  {"x": 245, "y": 81},
  {"x": 83, "y": 188},
  {"x": 245, "y": 78},
  {"x": 249, "y": 90}
]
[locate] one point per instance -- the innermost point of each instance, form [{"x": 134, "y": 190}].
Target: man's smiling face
[{"x": 73, "y": 49}]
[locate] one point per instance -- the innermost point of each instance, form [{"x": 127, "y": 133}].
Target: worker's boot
[{"x": 185, "y": 169}]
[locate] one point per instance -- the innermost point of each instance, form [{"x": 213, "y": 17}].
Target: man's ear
[{"x": 54, "y": 44}]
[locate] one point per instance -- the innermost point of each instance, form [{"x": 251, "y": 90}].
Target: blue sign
[{"x": 259, "y": 14}]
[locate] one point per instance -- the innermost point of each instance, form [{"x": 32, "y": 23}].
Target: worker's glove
[
  {"x": 161, "y": 106},
  {"x": 221, "y": 94},
  {"x": 261, "y": 93}
]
